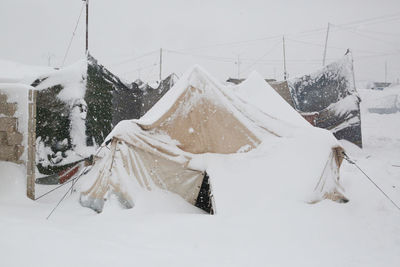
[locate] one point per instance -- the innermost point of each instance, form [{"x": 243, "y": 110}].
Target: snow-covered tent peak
[
  {"x": 195, "y": 77},
  {"x": 257, "y": 92}
]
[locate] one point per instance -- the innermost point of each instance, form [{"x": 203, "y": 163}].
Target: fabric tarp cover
[{"x": 197, "y": 116}]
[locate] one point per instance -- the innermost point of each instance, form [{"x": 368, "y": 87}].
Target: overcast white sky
[{"x": 31, "y": 32}]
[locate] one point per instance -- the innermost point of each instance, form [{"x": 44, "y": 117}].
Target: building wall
[
  {"x": 11, "y": 148},
  {"x": 17, "y": 129}
]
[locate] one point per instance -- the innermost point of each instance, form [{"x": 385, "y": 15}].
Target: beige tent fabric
[
  {"x": 156, "y": 154},
  {"x": 282, "y": 88},
  {"x": 331, "y": 170},
  {"x": 202, "y": 127},
  {"x": 143, "y": 169}
]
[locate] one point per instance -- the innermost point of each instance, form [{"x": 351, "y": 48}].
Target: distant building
[{"x": 379, "y": 85}]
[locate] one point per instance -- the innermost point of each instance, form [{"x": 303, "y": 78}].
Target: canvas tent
[{"x": 198, "y": 117}]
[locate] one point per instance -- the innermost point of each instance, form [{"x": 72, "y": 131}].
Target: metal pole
[
  {"x": 160, "y": 64},
  {"x": 87, "y": 26},
  {"x": 326, "y": 45},
  {"x": 238, "y": 63},
  {"x": 385, "y": 71},
  {"x": 284, "y": 60}
]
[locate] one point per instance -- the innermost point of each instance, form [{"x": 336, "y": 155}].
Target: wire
[
  {"x": 54, "y": 189},
  {"x": 380, "y": 55},
  {"x": 376, "y": 32},
  {"x": 369, "y": 178},
  {"x": 232, "y": 43},
  {"x": 368, "y": 37},
  {"x": 332, "y": 47},
  {"x": 66, "y": 193},
  {"x": 140, "y": 68},
  {"x": 216, "y": 58},
  {"x": 73, "y": 35},
  {"x": 135, "y": 58},
  {"x": 260, "y": 58},
  {"x": 373, "y": 20}
]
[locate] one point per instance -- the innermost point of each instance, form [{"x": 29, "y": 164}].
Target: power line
[
  {"x": 140, "y": 68},
  {"x": 73, "y": 35},
  {"x": 368, "y": 37},
  {"x": 232, "y": 43},
  {"x": 376, "y": 32},
  {"x": 330, "y": 47},
  {"x": 260, "y": 58},
  {"x": 373, "y": 20},
  {"x": 135, "y": 58},
  {"x": 380, "y": 55}
]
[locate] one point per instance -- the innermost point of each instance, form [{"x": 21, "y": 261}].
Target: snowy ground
[{"x": 269, "y": 227}]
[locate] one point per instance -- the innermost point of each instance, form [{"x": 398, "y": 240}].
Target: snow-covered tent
[
  {"x": 200, "y": 118},
  {"x": 332, "y": 95},
  {"x": 78, "y": 106}
]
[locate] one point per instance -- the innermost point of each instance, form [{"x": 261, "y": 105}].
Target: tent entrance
[{"x": 204, "y": 199}]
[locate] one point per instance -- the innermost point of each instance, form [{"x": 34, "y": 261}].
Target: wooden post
[
  {"x": 87, "y": 26},
  {"x": 31, "y": 159}
]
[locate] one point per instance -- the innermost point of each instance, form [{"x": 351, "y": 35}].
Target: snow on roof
[
  {"x": 14, "y": 72},
  {"x": 15, "y": 86},
  {"x": 72, "y": 78}
]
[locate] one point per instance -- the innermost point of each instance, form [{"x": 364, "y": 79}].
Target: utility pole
[
  {"x": 238, "y": 65},
  {"x": 326, "y": 45},
  {"x": 284, "y": 59},
  {"x": 49, "y": 56},
  {"x": 385, "y": 71},
  {"x": 87, "y": 26},
  {"x": 160, "y": 64},
  {"x": 49, "y": 60}
]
